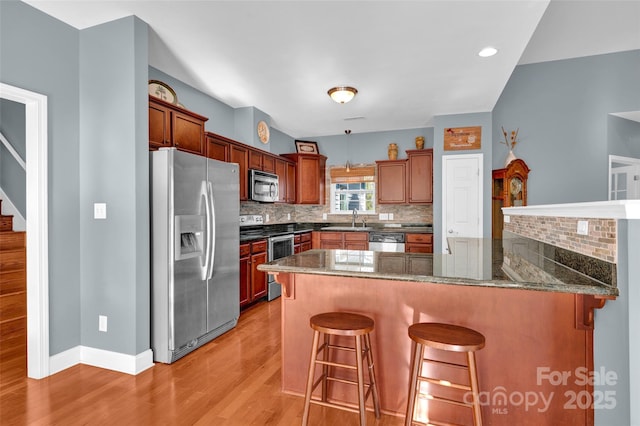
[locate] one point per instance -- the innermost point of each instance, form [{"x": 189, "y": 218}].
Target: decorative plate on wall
[
  {"x": 162, "y": 91},
  {"x": 263, "y": 132}
]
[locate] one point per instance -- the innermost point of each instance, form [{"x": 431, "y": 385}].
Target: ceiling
[{"x": 409, "y": 60}]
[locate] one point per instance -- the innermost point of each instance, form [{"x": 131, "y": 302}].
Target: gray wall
[
  {"x": 40, "y": 54},
  {"x": 114, "y": 169},
  {"x": 562, "y": 109},
  {"x": 368, "y": 147},
  {"x": 13, "y": 179}
]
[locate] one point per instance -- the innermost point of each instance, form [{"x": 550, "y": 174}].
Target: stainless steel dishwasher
[{"x": 386, "y": 241}]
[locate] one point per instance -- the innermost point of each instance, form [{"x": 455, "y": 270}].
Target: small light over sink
[{"x": 346, "y": 228}]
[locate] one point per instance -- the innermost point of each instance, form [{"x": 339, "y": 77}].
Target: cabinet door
[
  {"x": 188, "y": 133},
  {"x": 308, "y": 190},
  {"x": 245, "y": 275},
  {"x": 392, "y": 178},
  {"x": 305, "y": 246},
  {"x": 281, "y": 172},
  {"x": 419, "y": 243},
  {"x": 258, "y": 278},
  {"x": 255, "y": 159},
  {"x": 159, "y": 126},
  {"x": 291, "y": 183},
  {"x": 356, "y": 240},
  {"x": 268, "y": 163},
  {"x": 331, "y": 240},
  {"x": 239, "y": 155},
  {"x": 217, "y": 149},
  {"x": 420, "y": 171}
]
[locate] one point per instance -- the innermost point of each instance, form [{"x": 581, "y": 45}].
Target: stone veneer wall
[{"x": 562, "y": 232}]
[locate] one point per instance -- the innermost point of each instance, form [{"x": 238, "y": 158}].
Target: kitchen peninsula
[{"x": 536, "y": 316}]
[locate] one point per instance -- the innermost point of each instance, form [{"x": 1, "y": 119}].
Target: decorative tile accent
[{"x": 600, "y": 242}]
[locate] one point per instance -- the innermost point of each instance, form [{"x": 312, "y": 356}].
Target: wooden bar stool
[
  {"x": 445, "y": 337},
  {"x": 342, "y": 324}
]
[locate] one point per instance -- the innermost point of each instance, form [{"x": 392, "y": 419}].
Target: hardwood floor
[{"x": 233, "y": 380}]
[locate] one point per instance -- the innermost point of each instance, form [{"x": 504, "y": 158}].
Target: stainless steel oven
[{"x": 279, "y": 246}]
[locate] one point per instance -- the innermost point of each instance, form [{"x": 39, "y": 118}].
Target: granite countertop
[
  {"x": 250, "y": 233},
  {"x": 479, "y": 262}
]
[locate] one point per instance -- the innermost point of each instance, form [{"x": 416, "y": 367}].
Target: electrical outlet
[
  {"x": 390, "y": 216},
  {"x": 583, "y": 227},
  {"x": 383, "y": 216},
  {"x": 324, "y": 216},
  {"x": 266, "y": 218},
  {"x": 102, "y": 323},
  {"x": 288, "y": 216},
  {"x": 99, "y": 210}
]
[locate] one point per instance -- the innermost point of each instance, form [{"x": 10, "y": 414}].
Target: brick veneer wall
[{"x": 562, "y": 232}]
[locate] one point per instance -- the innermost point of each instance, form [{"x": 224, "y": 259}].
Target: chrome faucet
[{"x": 353, "y": 218}]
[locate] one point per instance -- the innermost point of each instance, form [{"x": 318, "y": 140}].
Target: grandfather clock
[{"x": 509, "y": 190}]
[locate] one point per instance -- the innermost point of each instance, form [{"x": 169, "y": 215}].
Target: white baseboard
[
  {"x": 129, "y": 364},
  {"x": 8, "y": 208}
]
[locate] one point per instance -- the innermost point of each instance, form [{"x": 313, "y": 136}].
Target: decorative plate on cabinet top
[
  {"x": 163, "y": 91},
  {"x": 263, "y": 132}
]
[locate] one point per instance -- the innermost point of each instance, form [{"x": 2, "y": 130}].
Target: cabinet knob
[{"x": 450, "y": 231}]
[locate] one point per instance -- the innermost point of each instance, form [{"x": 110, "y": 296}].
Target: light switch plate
[
  {"x": 324, "y": 216},
  {"x": 507, "y": 218},
  {"x": 390, "y": 216},
  {"x": 102, "y": 323},
  {"x": 99, "y": 210}
]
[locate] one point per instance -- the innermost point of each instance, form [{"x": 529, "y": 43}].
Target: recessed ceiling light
[{"x": 487, "y": 51}]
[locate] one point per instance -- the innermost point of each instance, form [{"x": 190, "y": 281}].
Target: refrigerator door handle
[
  {"x": 204, "y": 192},
  {"x": 212, "y": 229}
]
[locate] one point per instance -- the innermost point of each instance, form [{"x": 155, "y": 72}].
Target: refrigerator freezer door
[{"x": 189, "y": 289}]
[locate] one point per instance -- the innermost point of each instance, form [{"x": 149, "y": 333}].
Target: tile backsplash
[
  {"x": 600, "y": 241},
  {"x": 285, "y": 213}
]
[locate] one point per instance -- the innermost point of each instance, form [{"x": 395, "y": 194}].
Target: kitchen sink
[{"x": 346, "y": 228}]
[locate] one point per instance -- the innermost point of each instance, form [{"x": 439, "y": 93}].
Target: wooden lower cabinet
[
  {"x": 344, "y": 240},
  {"x": 418, "y": 243},
  {"x": 301, "y": 242},
  {"x": 253, "y": 283}
]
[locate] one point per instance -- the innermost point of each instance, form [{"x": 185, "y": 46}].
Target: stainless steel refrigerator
[{"x": 195, "y": 279}]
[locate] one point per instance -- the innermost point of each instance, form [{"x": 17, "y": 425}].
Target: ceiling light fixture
[
  {"x": 487, "y": 51},
  {"x": 342, "y": 94}
]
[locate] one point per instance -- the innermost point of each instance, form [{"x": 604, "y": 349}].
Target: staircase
[{"x": 13, "y": 303}]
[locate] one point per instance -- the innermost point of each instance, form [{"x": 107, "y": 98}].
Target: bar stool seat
[
  {"x": 342, "y": 324},
  {"x": 444, "y": 337}
]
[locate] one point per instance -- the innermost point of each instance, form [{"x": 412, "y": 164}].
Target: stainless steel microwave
[{"x": 263, "y": 186}]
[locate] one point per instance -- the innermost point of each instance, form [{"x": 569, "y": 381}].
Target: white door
[
  {"x": 461, "y": 197},
  {"x": 624, "y": 178}
]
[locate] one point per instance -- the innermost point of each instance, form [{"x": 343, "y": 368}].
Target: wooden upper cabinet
[
  {"x": 170, "y": 125},
  {"x": 420, "y": 176},
  {"x": 392, "y": 181},
  {"x": 217, "y": 147},
  {"x": 285, "y": 170},
  {"x": 255, "y": 159},
  {"x": 310, "y": 177},
  {"x": 240, "y": 155},
  {"x": 268, "y": 163}
]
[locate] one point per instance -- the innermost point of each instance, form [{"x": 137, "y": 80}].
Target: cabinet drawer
[
  {"x": 418, "y": 248},
  {"x": 356, "y": 236},
  {"x": 334, "y": 236},
  {"x": 419, "y": 238},
  {"x": 245, "y": 249},
  {"x": 296, "y": 239},
  {"x": 305, "y": 237},
  {"x": 259, "y": 246}
]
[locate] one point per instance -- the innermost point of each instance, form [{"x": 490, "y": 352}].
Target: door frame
[
  {"x": 445, "y": 158},
  {"x": 37, "y": 224},
  {"x": 631, "y": 161}
]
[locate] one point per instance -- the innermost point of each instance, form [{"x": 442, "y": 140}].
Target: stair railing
[{"x": 13, "y": 152}]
